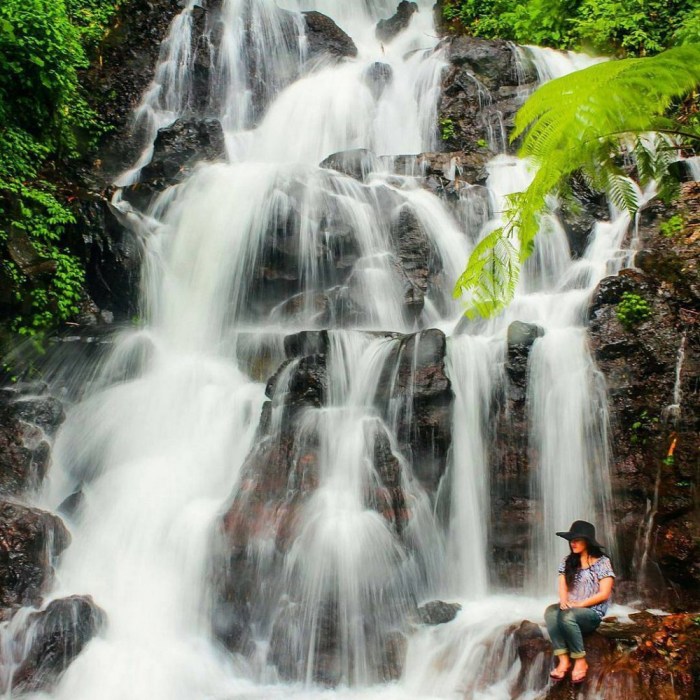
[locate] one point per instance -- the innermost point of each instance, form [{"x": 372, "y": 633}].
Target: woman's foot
[
  {"x": 559, "y": 673},
  {"x": 578, "y": 675}
]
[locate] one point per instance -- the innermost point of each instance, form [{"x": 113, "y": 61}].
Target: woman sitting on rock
[{"x": 585, "y": 585}]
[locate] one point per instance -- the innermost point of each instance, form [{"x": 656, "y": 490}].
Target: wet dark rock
[
  {"x": 654, "y": 658},
  {"x": 579, "y": 215},
  {"x": 423, "y": 393},
  {"x": 306, "y": 343},
  {"x": 387, "y": 29},
  {"x": 29, "y": 541},
  {"x": 115, "y": 84},
  {"x": 112, "y": 255},
  {"x": 25, "y": 423},
  {"x": 180, "y": 146},
  {"x": 378, "y": 76},
  {"x": 655, "y": 442},
  {"x": 325, "y": 39},
  {"x": 521, "y": 337},
  {"x": 534, "y": 653},
  {"x": 307, "y": 385},
  {"x": 419, "y": 261},
  {"x": 357, "y": 163},
  {"x": 437, "y": 612},
  {"x": 480, "y": 94},
  {"x": 58, "y": 634}
]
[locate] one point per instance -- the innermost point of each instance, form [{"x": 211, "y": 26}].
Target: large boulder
[
  {"x": 30, "y": 539},
  {"x": 283, "y": 471},
  {"x": 651, "y": 658},
  {"x": 53, "y": 638},
  {"x": 326, "y": 40},
  {"x": 480, "y": 95},
  {"x": 387, "y": 29},
  {"x": 27, "y": 422}
]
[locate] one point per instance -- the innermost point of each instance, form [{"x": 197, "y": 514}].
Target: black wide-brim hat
[{"x": 581, "y": 530}]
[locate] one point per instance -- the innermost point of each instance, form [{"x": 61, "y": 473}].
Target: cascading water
[{"x": 165, "y": 441}]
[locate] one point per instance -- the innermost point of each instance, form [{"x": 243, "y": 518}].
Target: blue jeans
[{"x": 567, "y": 627}]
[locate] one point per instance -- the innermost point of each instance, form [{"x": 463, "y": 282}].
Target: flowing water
[{"x": 159, "y": 445}]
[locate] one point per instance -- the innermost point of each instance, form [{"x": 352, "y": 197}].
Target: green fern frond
[
  {"x": 491, "y": 275},
  {"x": 623, "y": 193},
  {"x": 584, "y": 122}
]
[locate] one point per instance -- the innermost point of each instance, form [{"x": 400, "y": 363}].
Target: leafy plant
[
  {"x": 632, "y": 310},
  {"x": 447, "y": 129},
  {"x": 44, "y": 118},
  {"x": 622, "y": 27},
  {"x": 584, "y": 123},
  {"x": 671, "y": 227}
]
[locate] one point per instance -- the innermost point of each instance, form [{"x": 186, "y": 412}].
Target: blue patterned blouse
[{"x": 586, "y": 583}]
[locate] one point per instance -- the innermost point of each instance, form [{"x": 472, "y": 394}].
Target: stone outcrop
[
  {"x": 480, "y": 95},
  {"x": 652, "y": 368},
  {"x": 326, "y": 40},
  {"x": 30, "y": 539},
  {"x": 437, "y": 612},
  {"x": 388, "y": 29},
  {"x": 177, "y": 149},
  {"x": 651, "y": 658},
  {"x": 283, "y": 471},
  {"x": 512, "y": 507},
  {"x": 56, "y": 636},
  {"x": 28, "y": 417}
]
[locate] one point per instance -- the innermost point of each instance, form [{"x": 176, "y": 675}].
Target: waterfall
[{"x": 371, "y": 517}]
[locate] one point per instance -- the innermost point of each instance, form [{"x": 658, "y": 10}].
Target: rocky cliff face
[{"x": 652, "y": 369}]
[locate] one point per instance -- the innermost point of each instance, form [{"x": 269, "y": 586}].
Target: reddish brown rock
[{"x": 30, "y": 539}]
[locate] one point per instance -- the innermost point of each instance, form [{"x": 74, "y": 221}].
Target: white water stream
[{"x": 158, "y": 457}]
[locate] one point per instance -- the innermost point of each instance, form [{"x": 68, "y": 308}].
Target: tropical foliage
[
  {"x": 585, "y": 123},
  {"x": 44, "y": 119},
  {"x": 638, "y": 27}
]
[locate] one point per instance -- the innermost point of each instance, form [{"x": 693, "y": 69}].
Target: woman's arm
[
  {"x": 605, "y": 586},
  {"x": 563, "y": 593}
]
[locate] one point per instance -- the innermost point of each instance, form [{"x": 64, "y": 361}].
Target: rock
[
  {"x": 56, "y": 636},
  {"x": 437, "y": 612},
  {"x": 521, "y": 337},
  {"x": 25, "y": 423},
  {"x": 307, "y": 385},
  {"x": 176, "y": 151},
  {"x": 419, "y": 261},
  {"x": 306, "y": 343},
  {"x": 112, "y": 255},
  {"x": 655, "y": 440},
  {"x": 115, "y": 84},
  {"x": 180, "y": 146},
  {"x": 357, "y": 163},
  {"x": 387, "y": 29},
  {"x": 417, "y": 382},
  {"x": 655, "y": 658},
  {"x": 29, "y": 541},
  {"x": 378, "y": 76},
  {"x": 580, "y": 214},
  {"x": 480, "y": 95},
  {"x": 325, "y": 39}
]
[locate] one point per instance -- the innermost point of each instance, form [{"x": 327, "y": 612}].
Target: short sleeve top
[{"x": 586, "y": 583}]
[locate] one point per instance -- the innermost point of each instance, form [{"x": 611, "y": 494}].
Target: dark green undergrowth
[
  {"x": 46, "y": 125},
  {"x": 627, "y": 27}
]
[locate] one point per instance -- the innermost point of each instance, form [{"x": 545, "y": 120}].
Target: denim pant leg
[
  {"x": 551, "y": 618},
  {"x": 574, "y": 623}
]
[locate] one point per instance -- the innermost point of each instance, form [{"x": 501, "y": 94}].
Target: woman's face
[{"x": 579, "y": 546}]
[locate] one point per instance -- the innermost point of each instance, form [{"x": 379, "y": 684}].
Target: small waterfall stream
[{"x": 160, "y": 454}]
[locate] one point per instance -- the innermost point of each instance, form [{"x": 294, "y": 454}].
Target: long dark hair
[{"x": 572, "y": 564}]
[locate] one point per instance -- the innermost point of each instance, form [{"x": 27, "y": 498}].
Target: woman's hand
[{"x": 564, "y": 604}]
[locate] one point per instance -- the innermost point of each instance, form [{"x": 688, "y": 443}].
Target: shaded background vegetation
[{"x": 46, "y": 127}]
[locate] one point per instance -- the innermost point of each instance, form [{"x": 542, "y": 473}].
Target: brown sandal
[{"x": 577, "y": 679}]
